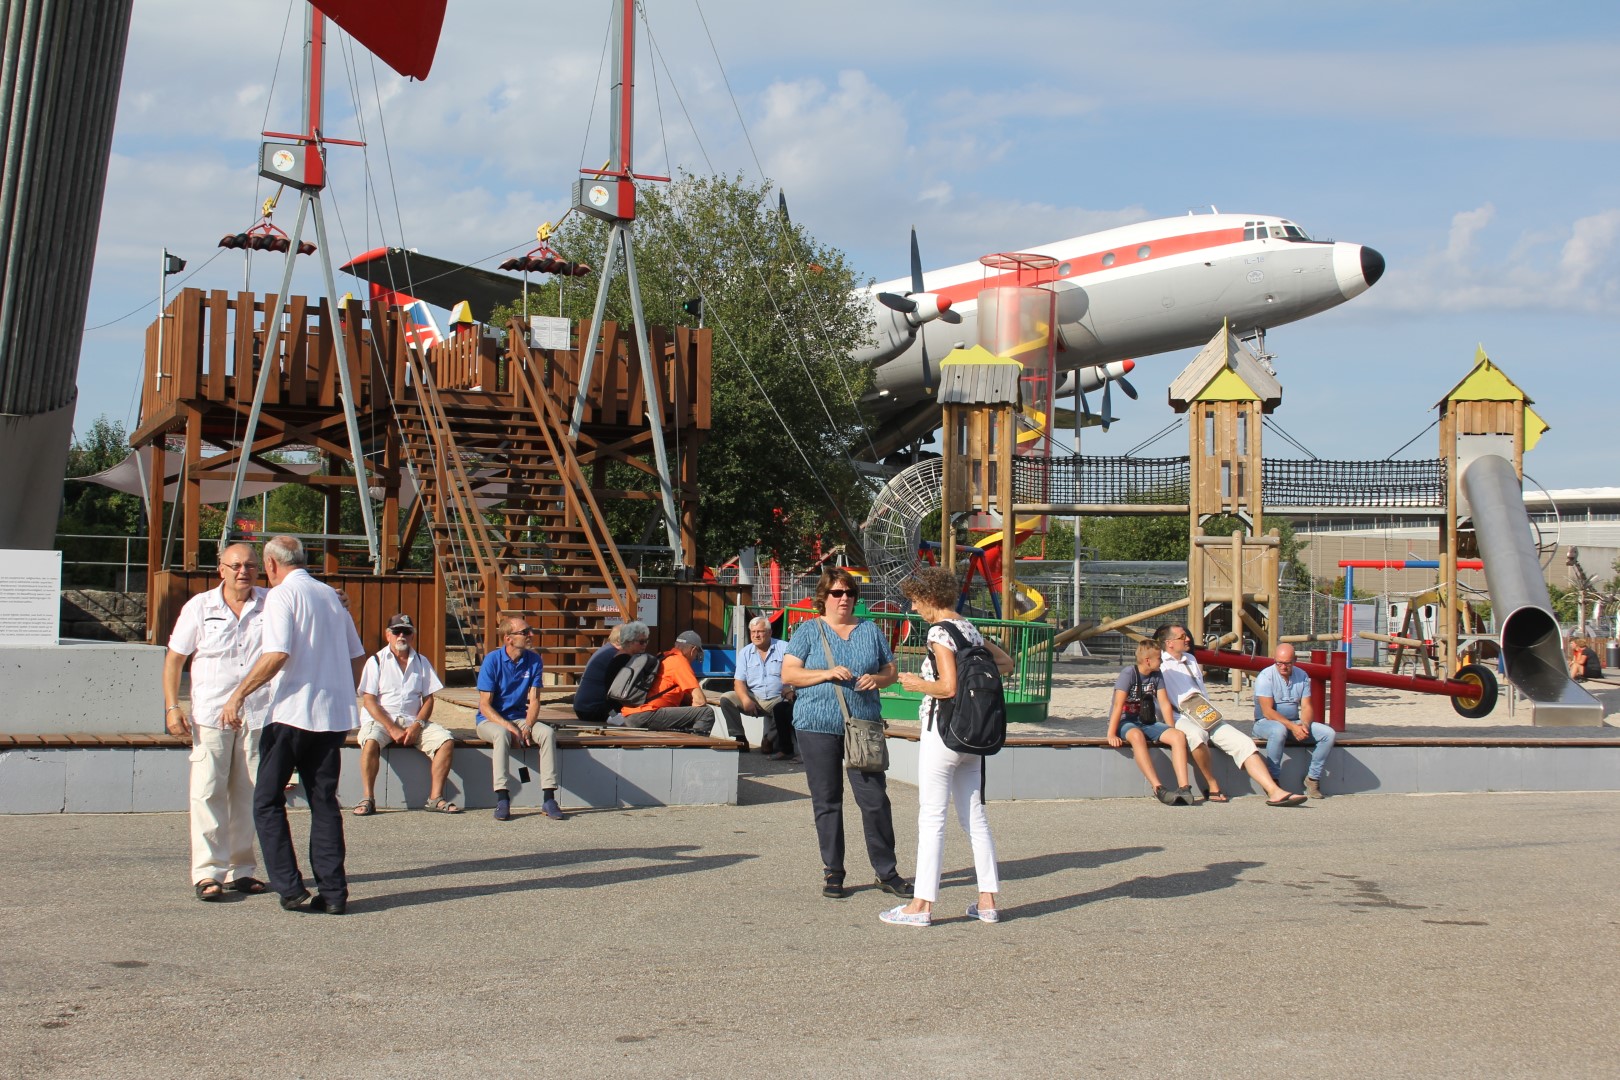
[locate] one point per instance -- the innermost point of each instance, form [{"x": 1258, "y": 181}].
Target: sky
[{"x": 1476, "y": 145}]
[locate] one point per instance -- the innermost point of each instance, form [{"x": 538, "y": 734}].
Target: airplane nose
[{"x": 1372, "y": 266}]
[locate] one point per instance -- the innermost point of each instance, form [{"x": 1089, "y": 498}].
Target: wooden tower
[{"x": 978, "y": 391}]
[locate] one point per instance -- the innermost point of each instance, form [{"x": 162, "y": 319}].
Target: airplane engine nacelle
[
  {"x": 930, "y": 306},
  {"x": 893, "y": 333}
]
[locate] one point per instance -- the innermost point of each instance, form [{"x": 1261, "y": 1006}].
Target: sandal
[
  {"x": 441, "y": 806},
  {"x": 209, "y": 890},
  {"x": 365, "y": 808},
  {"x": 1217, "y": 796},
  {"x": 1288, "y": 799},
  {"x": 250, "y": 885}
]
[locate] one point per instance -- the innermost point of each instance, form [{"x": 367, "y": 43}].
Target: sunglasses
[
  {"x": 525, "y": 632},
  {"x": 840, "y": 593},
  {"x": 238, "y": 567},
  {"x": 401, "y": 631}
]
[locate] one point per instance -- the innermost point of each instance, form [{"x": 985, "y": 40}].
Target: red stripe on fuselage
[{"x": 1081, "y": 265}]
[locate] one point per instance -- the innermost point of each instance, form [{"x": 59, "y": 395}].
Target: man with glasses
[
  {"x": 1183, "y": 676},
  {"x": 220, "y": 633},
  {"x": 1283, "y": 707},
  {"x": 509, "y": 687},
  {"x": 396, "y": 691},
  {"x": 677, "y": 702}
]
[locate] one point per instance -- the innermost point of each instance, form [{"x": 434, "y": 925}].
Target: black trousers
[
  {"x": 824, "y": 770},
  {"x": 779, "y": 726},
  {"x": 317, "y": 756}
]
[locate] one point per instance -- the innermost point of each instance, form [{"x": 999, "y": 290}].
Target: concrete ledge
[
  {"x": 54, "y": 775},
  {"x": 1039, "y": 767},
  {"x": 80, "y": 686}
]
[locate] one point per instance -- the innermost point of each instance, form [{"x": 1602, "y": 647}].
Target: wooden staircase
[{"x": 515, "y": 527}]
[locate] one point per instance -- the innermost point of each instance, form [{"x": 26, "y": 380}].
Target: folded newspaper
[{"x": 1196, "y": 706}]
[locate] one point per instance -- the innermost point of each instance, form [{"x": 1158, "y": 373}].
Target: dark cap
[
  {"x": 689, "y": 638},
  {"x": 401, "y": 621}
]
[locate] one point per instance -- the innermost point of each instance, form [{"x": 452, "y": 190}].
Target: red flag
[{"x": 403, "y": 33}]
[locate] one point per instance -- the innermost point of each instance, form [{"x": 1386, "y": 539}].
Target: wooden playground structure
[{"x": 488, "y": 508}]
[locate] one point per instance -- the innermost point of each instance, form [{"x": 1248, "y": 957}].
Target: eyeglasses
[
  {"x": 525, "y": 632},
  {"x": 238, "y": 567},
  {"x": 840, "y": 593}
]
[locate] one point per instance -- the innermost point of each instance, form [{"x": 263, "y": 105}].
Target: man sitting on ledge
[
  {"x": 677, "y": 702},
  {"x": 1283, "y": 707},
  {"x": 591, "y": 702}
]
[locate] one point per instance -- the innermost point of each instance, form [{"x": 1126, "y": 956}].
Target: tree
[{"x": 774, "y": 471}]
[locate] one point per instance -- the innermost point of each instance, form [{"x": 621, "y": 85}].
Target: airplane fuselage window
[
  {"x": 1108, "y": 259},
  {"x": 1064, "y": 270},
  {"x": 1144, "y": 251}
]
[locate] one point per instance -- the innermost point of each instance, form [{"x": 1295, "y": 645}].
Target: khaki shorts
[
  {"x": 1231, "y": 741},
  {"x": 433, "y": 736}
]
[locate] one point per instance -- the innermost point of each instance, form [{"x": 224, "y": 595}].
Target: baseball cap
[
  {"x": 401, "y": 621},
  {"x": 688, "y": 638}
]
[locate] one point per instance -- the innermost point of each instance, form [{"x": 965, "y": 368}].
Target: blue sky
[{"x": 1476, "y": 145}]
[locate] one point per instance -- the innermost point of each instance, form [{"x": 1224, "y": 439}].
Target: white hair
[
  {"x": 286, "y": 550},
  {"x": 632, "y": 632},
  {"x": 759, "y": 620}
]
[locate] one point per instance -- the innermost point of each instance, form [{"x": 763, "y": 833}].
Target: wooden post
[{"x": 1006, "y": 435}]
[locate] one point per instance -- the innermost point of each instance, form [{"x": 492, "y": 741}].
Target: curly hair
[
  {"x": 832, "y": 579},
  {"x": 933, "y": 585}
]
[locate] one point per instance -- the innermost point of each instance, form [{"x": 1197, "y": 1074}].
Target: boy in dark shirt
[{"x": 1139, "y": 703}]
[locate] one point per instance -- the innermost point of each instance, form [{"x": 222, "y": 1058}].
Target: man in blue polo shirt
[
  {"x": 509, "y": 687},
  {"x": 1282, "y": 707}
]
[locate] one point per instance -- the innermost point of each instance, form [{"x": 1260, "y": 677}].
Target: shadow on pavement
[
  {"x": 539, "y": 860},
  {"x": 1212, "y": 878},
  {"x": 1040, "y": 865},
  {"x": 583, "y": 880}
]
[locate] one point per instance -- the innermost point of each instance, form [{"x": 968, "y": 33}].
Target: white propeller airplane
[
  {"x": 1129, "y": 292},
  {"x": 1125, "y": 293}
]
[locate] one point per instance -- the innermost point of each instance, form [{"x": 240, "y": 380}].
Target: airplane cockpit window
[
  {"x": 1254, "y": 230},
  {"x": 1294, "y": 232}
]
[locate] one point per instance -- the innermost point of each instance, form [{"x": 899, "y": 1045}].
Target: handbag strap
[{"x": 838, "y": 689}]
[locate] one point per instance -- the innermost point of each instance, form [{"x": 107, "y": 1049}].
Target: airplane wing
[{"x": 440, "y": 282}]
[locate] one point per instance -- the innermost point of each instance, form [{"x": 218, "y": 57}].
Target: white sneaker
[
  {"x": 899, "y": 916},
  {"x": 987, "y": 915}
]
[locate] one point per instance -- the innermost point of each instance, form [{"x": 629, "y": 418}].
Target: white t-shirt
[
  {"x": 223, "y": 647},
  {"x": 1180, "y": 676},
  {"x": 938, "y": 635},
  {"x": 315, "y": 688},
  {"x": 400, "y": 692}
]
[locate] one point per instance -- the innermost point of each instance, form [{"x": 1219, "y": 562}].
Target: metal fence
[{"x": 116, "y": 563}]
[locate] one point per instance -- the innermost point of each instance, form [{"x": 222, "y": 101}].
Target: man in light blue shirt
[
  {"x": 1282, "y": 708},
  {"x": 757, "y": 689}
]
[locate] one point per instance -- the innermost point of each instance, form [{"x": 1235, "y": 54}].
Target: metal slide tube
[{"x": 1532, "y": 646}]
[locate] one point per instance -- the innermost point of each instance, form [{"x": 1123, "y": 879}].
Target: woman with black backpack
[{"x": 944, "y": 774}]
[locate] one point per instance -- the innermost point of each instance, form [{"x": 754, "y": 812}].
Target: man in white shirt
[
  {"x": 219, "y": 632},
  {"x": 1182, "y": 676},
  {"x": 397, "y": 686},
  {"x": 311, "y": 658}
]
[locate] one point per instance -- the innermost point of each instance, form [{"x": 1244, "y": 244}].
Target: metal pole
[
  {"x": 350, "y": 421},
  {"x": 587, "y": 356},
  {"x": 271, "y": 325},
  {"x": 655, "y": 408}
]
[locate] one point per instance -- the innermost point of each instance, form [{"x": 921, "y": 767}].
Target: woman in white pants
[{"x": 943, "y": 775}]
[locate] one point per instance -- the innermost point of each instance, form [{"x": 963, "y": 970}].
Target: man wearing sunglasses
[
  {"x": 508, "y": 688},
  {"x": 396, "y": 691}
]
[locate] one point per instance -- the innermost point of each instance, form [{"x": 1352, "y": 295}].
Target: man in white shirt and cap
[
  {"x": 311, "y": 659},
  {"x": 397, "y": 685},
  {"x": 219, "y": 631}
]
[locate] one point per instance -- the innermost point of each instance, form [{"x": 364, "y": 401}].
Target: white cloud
[{"x": 1573, "y": 268}]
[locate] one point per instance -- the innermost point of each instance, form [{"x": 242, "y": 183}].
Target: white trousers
[
  {"x": 224, "y": 764},
  {"x": 944, "y": 776}
]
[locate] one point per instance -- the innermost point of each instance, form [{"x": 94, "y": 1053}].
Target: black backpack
[
  {"x": 975, "y": 720},
  {"x": 633, "y": 679}
]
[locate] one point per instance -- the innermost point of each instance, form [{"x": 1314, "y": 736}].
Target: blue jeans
[{"x": 1275, "y": 737}]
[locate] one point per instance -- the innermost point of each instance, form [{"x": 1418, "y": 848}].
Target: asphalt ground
[{"x": 1368, "y": 935}]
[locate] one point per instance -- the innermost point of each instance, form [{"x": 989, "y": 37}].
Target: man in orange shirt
[{"x": 677, "y": 701}]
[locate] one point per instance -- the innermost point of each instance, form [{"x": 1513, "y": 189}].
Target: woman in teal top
[{"x": 834, "y": 654}]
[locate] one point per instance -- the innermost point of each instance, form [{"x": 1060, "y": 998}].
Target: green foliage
[
  {"x": 93, "y": 510},
  {"x": 1565, "y": 607},
  {"x": 1059, "y": 543},
  {"x": 784, "y": 323},
  {"x": 1158, "y": 538}
]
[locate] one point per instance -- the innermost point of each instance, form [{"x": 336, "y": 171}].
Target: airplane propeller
[{"x": 920, "y": 307}]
